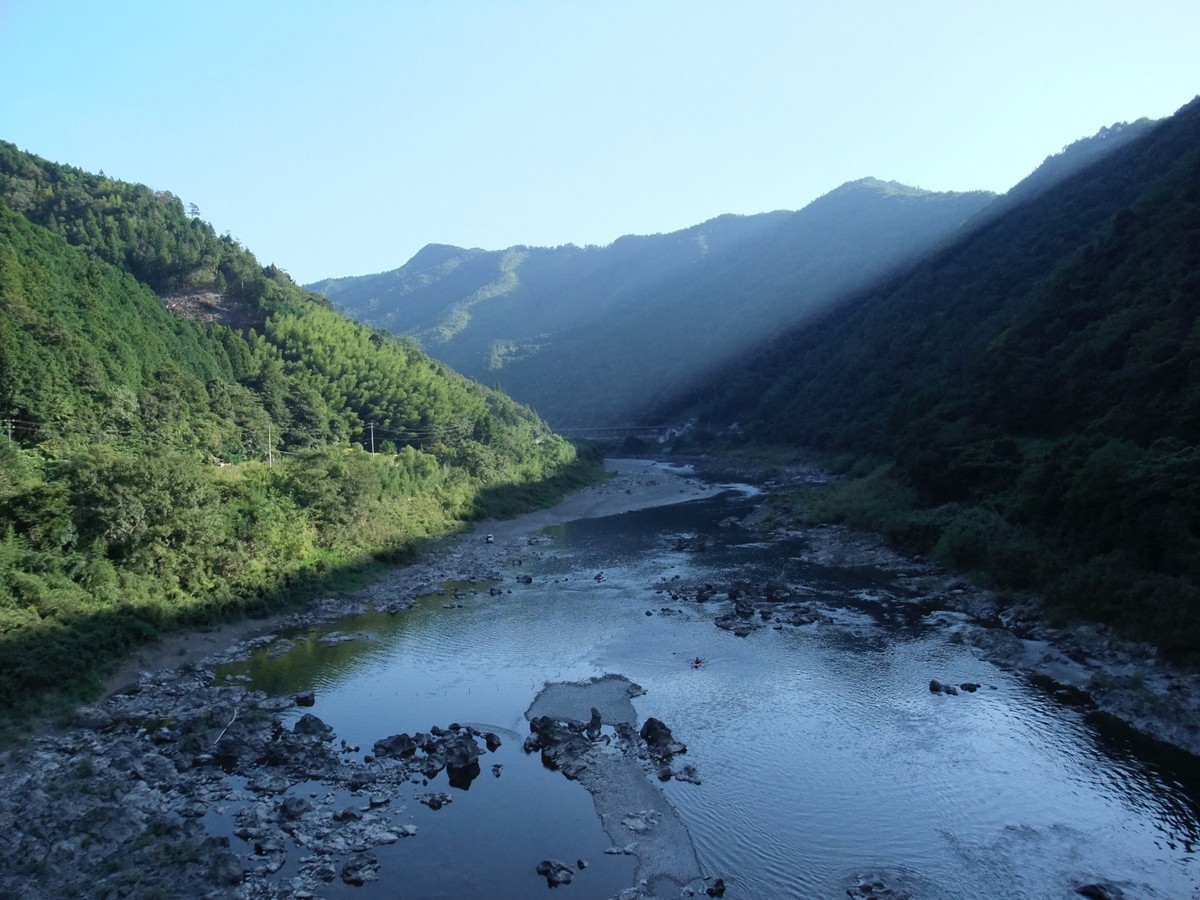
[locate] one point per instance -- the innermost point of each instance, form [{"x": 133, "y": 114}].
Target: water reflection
[{"x": 823, "y": 755}]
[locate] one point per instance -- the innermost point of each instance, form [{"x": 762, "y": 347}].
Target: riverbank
[
  {"x": 1086, "y": 663},
  {"x": 114, "y": 803},
  {"x": 631, "y": 484}
]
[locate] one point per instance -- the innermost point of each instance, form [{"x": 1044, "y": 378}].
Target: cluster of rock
[
  {"x": 661, "y": 748},
  {"x": 690, "y": 543},
  {"x": 114, "y": 806},
  {"x": 453, "y": 749},
  {"x": 566, "y": 745},
  {"x": 968, "y": 687},
  {"x": 557, "y": 872},
  {"x": 752, "y": 606}
]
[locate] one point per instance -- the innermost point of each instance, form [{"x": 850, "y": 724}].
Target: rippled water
[{"x": 823, "y": 754}]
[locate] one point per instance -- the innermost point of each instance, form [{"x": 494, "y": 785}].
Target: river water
[{"x": 823, "y": 756}]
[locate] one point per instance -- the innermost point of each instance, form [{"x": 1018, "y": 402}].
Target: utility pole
[
  {"x": 270, "y": 448},
  {"x": 371, "y": 425},
  {"x": 8, "y": 424}
]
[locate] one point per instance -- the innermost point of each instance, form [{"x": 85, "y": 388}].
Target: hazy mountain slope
[
  {"x": 695, "y": 322},
  {"x": 598, "y": 335},
  {"x": 1073, "y": 158},
  {"x": 927, "y": 324},
  {"x": 459, "y": 301},
  {"x": 1034, "y": 386}
]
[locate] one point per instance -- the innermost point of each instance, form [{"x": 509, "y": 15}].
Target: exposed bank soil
[{"x": 115, "y": 804}]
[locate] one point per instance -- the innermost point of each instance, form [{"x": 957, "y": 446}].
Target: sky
[{"x": 337, "y": 139}]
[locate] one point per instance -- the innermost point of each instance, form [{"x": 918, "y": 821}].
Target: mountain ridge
[{"x": 525, "y": 322}]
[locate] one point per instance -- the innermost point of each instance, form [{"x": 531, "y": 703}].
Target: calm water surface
[{"x": 822, "y": 752}]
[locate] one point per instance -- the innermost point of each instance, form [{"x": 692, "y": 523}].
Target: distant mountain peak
[
  {"x": 433, "y": 255},
  {"x": 871, "y": 186},
  {"x": 877, "y": 184}
]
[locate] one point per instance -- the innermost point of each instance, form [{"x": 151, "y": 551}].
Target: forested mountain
[
  {"x": 1032, "y": 392},
  {"x": 1071, "y": 159},
  {"x": 156, "y": 468},
  {"x": 601, "y": 335}
]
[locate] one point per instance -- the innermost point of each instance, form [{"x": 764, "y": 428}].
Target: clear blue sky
[{"x": 337, "y": 138}]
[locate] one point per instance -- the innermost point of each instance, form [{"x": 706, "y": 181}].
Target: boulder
[
  {"x": 360, "y": 869},
  {"x": 435, "y": 801},
  {"x": 311, "y": 726},
  {"x": 397, "y": 745},
  {"x": 460, "y": 751},
  {"x": 555, "y": 872},
  {"x": 593, "y": 726},
  {"x": 659, "y": 739},
  {"x": 293, "y": 807}
]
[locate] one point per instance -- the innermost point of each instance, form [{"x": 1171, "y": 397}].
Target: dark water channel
[{"x": 823, "y": 755}]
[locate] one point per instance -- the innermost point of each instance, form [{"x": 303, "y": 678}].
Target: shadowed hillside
[
  {"x": 1030, "y": 394},
  {"x": 601, "y": 335}
]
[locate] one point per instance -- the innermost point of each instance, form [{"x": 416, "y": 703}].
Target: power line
[{"x": 15, "y": 427}]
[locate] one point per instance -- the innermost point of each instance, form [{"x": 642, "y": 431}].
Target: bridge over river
[{"x": 646, "y": 432}]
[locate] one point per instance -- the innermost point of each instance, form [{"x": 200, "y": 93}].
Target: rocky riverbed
[
  {"x": 119, "y": 803},
  {"x": 1083, "y": 661}
]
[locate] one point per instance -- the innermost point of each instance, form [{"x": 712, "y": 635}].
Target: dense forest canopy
[
  {"x": 1026, "y": 401},
  {"x": 159, "y": 469}
]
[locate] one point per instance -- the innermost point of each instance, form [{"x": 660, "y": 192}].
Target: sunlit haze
[{"x": 338, "y": 139}]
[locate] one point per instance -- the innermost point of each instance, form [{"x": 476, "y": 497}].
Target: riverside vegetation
[{"x": 161, "y": 470}]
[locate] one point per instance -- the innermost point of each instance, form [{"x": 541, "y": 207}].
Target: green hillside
[
  {"x": 1026, "y": 401},
  {"x": 602, "y": 335},
  {"x": 158, "y": 470}
]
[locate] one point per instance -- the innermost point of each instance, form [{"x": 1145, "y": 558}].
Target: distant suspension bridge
[{"x": 647, "y": 432}]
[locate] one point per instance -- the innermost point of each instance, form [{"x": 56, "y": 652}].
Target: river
[{"x": 825, "y": 761}]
